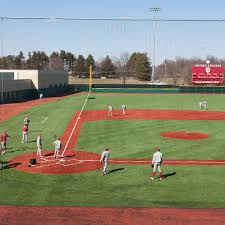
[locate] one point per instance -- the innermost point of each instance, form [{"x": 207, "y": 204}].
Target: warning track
[{"x": 59, "y": 215}]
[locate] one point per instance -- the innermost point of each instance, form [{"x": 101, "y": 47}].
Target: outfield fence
[
  {"x": 144, "y": 88},
  {"x": 30, "y": 94}
]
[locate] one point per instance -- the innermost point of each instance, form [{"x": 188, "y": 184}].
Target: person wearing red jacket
[
  {"x": 4, "y": 137},
  {"x": 25, "y": 134}
]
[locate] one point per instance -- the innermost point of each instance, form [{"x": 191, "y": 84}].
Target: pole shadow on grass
[
  {"x": 32, "y": 141},
  {"x": 116, "y": 170},
  {"x": 169, "y": 174},
  {"x": 19, "y": 150},
  {"x": 35, "y": 131},
  {"x": 8, "y": 165}
]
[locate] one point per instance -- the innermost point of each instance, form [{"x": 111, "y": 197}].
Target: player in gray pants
[
  {"x": 105, "y": 160},
  {"x": 58, "y": 146},
  {"x": 39, "y": 145},
  {"x": 110, "y": 110},
  {"x": 156, "y": 163},
  {"x": 123, "y": 108}
]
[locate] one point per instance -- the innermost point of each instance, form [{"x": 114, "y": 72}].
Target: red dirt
[
  {"x": 153, "y": 114},
  {"x": 39, "y": 215},
  {"x": 186, "y": 135},
  {"x": 73, "y": 162},
  {"x": 78, "y": 162}
]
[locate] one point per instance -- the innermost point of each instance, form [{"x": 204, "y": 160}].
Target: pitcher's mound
[{"x": 188, "y": 135}]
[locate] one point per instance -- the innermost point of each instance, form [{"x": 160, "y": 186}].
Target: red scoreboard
[{"x": 207, "y": 74}]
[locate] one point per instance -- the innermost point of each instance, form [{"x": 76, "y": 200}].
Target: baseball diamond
[
  {"x": 77, "y": 161},
  {"x": 191, "y": 141},
  {"x": 112, "y": 112}
]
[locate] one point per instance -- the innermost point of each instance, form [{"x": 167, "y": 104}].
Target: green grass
[
  {"x": 191, "y": 186},
  {"x": 157, "y": 101},
  {"x": 137, "y": 139},
  {"x": 197, "y": 186}
]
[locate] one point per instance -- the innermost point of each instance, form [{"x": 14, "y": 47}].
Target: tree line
[{"x": 136, "y": 65}]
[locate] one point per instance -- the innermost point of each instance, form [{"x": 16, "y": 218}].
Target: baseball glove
[{"x": 152, "y": 165}]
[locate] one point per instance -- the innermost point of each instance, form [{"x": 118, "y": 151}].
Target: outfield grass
[
  {"x": 191, "y": 186},
  {"x": 137, "y": 139},
  {"x": 157, "y": 101}
]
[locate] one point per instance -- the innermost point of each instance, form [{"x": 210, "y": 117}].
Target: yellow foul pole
[{"x": 90, "y": 77}]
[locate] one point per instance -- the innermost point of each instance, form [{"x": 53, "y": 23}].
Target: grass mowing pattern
[
  {"x": 197, "y": 186},
  {"x": 137, "y": 139},
  {"x": 192, "y": 186}
]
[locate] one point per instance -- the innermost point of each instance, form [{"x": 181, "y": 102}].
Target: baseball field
[{"x": 192, "y": 142}]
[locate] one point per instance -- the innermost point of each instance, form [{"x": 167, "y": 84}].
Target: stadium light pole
[
  {"x": 155, "y": 10},
  {"x": 2, "y": 79}
]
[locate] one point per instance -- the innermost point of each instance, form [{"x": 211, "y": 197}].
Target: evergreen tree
[
  {"x": 70, "y": 61},
  {"x": 55, "y": 62},
  {"x": 19, "y": 61},
  {"x": 107, "y": 68},
  {"x": 79, "y": 68},
  {"x": 139, "y": 66},
  {"x": 89, "y": 61},
  {"x": 38, "y": 60},
  {"x": 10, "y": 62}
]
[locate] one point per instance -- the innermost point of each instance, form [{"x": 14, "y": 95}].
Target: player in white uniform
[
  {"x": 110, "y": 110},
  {"x": 39, "y": 145},
  {"x": 201, "y": 104},
  {"x": 204, "y": 104},
  {"x": 41, "y": 95},
  {"x": 26, "y": 120},
  {"x": 105, "y": 160},
  {"x": 58, "y": 146},
  {"x": 156, "y": 163},
  {"x": 123, "y": 108}
]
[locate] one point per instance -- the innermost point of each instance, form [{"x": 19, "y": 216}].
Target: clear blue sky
[{"x": 114, "y": 38}]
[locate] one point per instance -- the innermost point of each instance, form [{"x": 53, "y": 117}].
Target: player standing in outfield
[
  {"x": 110, "y": 110},
  {"x": 39, "y": 145},
  {"x": 41, "y": 96},
  {"x": 204, "y": 104},
  {"x": 25, "y": 134},
  {"x": 58, "y": 146},
  {"x": 105, "y": 160},
  {"x": 4, "y": 137},
  {"x": 156, "y": 163},
  {"x": 26, "y": 120},
  {"x": 123, "y": 108},
  {"x": 200, "y": 104}
]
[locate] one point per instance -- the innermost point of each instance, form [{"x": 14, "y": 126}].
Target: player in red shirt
[
  {"x": 25, "y": 134},
  {"x": 4, "y": 137}
]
